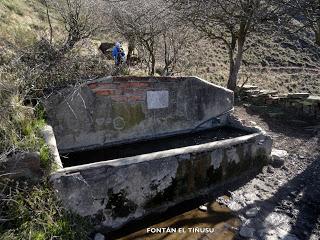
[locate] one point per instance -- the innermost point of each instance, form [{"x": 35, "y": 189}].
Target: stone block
[
  {"x": 278, "y": 157},
  {"x": 247, "y": 232},
  {"x": 299, "y": 95},
  {"x": 314, "y": 99}
]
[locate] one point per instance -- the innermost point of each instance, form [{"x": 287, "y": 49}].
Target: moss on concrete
[
  {"x": 201, "y": 162},
  {"x": 166, "y": 195},
  {"x": 131, "y": 114},
  {"x": 214, "y": 175},
  {"x": 119, "y": 204}
]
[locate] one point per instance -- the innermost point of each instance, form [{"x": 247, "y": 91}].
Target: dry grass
[{"x": 283, "y": 65}]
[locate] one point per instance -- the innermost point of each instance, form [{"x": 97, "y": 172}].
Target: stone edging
[{"x": 300, "y": 104}]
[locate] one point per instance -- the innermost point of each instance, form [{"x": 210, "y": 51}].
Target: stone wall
[
  {"x": 302, "y": 105},
  {"x": 121, "y": 109}
]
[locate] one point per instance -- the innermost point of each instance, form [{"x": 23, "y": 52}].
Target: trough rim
[{"x": 161, "y": 154}]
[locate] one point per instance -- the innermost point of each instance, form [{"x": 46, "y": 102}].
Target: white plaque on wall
[{"x": 157, "y": 99}]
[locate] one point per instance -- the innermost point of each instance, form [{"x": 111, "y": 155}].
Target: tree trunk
[
  {"x": 317, "y": 38},
  {"x": 49, "y": 21},
  {"x": 317, "y": 33},
  {"x": 235, "y": 65},
  {"x": 131, "y": 48},
  {"x": 153, "y": 64}
]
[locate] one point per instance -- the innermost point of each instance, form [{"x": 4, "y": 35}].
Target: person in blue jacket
[{"x": 118, "y": 54}]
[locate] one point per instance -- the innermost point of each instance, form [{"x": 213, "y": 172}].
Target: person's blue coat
[{"x": 116, "y": 51}]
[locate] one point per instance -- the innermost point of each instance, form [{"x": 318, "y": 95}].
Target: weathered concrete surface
[
  {"x": 48, "y": 135},
  {"x": 117, "y": 191},
  {"x": 121, "y": 109},
  {"x": 124, "y": 109}
]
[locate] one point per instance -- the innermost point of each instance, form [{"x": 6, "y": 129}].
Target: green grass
[
  {"x": 35, "y": 213},
  {"x": 31, "y": 211}
]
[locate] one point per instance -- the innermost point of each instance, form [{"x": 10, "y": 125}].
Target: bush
[
  {"x": 33, "y": 212},
  {"x": 29, "y": 211}
]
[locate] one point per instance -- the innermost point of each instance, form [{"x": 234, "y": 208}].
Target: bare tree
[
  {"x": 141, "y": 21},
  {"x": 175, "y": 38},
  {"x": 230, "y": 22},
  {"x": 154, "y": 30},
  {"x": 45, "y": 3},
  {"x": 80, "y": 18}
]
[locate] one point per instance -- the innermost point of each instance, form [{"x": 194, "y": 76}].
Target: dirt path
[
  {"x": 279, "y": 203},
  {"x": 287, "y": 198}
]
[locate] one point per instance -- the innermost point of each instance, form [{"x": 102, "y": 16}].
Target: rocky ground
[{"x": 283, "y": 202}]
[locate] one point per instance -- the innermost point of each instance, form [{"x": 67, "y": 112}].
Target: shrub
[{"x": 33, "y": 212}]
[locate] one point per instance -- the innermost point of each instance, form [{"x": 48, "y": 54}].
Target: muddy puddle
[{"x": 217, "y": 223}]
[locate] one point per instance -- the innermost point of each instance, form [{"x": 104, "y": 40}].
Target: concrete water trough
[{"x": 133, "y": 146}]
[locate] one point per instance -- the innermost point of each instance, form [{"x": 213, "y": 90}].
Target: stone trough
[{"x": 134, "y": 146}]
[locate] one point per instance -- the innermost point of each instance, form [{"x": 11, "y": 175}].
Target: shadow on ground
[
  {"x": 299, "y": 199},
  {"x": 281, "y": 122}
]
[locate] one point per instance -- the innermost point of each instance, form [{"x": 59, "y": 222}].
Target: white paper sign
[{"x": 157, "y": 99}]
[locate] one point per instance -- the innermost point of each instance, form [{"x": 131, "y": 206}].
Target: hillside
[
  {"x": 21, "y": 23},
  {"x": 290, "y": 65},
  {"x": 284, "y": 62}
]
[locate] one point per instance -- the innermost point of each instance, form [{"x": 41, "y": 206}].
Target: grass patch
[
  {"x": 33, "y": 212},
  {"x": 13, "y": 6}
]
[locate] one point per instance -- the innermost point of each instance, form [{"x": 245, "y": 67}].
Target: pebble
[
  {"x": 247, "y": 232},
  {"x": 277, "y": 154},
  {"x": 270, "y": 169},
  {"x": 290, "y": 237},
  {"x": 251, "y": 213},
  {"x": 99, "y": 236},
  {"x": 203, "y": 208},
  {"x": 278, "y": 157}
]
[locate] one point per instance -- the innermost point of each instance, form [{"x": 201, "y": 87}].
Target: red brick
[
  {"x": 135, "y": 98},
  {"x": 92, "y": 85},
  {"x": 107, "y": 85},
  {"x": 134, "y": 85},
  {"x": 105, "y": 92},
  {"x": 119, "y": 98},
  {"x": 134, "y": 91}
]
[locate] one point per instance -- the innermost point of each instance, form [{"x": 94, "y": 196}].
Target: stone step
[
  {"x": 252, "y": 91},
  {"x": 298, "y": 95},
  {"x": 249, "y": 87},
  {"x": 312, "y": 98}
]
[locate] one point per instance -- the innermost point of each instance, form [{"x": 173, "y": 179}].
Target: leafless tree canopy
[
  {"x": 81, "y": 19},
  {"x": 230, "y": 22},
  {"x": 154, "y": 29},
  {"x": 308, "y": 13}
]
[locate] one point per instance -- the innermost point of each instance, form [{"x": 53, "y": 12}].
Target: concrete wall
[
  {"x": 118, "y": 191},
  {"x": 116, "y": 109}
]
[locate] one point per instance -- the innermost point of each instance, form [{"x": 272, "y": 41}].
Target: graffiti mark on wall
[{"x": 119, "y": 123}]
